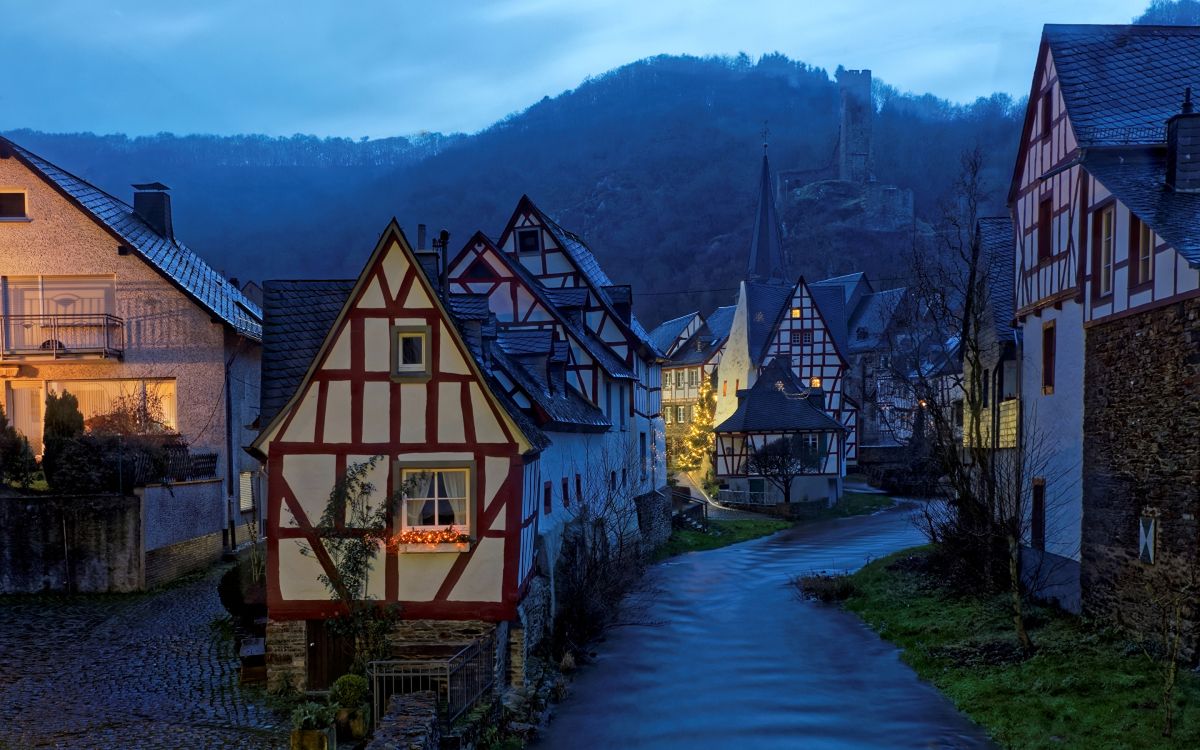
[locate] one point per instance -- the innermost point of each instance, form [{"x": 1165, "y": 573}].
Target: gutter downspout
[{"x": 229, "y": 511}]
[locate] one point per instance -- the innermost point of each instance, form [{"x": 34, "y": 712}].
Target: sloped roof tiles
[{"x": 170, "y": 257}]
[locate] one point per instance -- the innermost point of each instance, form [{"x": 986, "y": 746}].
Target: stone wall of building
[
  {"x": 1141, "y": 461},
  {"x": 73, "y": 544},
  {"x": 532, "y": 626},
  {"x": 287, "y": 653},
  {"x": 410, "y": 723},
  {"x": 654, "y": 518}
]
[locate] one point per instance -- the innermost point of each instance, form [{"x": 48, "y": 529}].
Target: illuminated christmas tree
[{"x": 695, "y": 446}]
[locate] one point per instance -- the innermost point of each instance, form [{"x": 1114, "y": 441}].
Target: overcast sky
[{"x": 378, "y": 68}]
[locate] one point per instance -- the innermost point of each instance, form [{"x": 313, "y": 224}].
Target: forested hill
[{"x": 655, "y": 164}]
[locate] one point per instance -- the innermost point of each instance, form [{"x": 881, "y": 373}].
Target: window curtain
[
  {"x": 453, "y": 509},
  {"x": 25, "y": 412}
]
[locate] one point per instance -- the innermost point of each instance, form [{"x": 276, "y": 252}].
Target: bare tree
[{"x": 783, "y": 460}]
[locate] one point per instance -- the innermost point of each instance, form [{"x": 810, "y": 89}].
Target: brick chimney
[
  {"x": 1183, "y": 148},
  {"x": 152, "y": 203}
]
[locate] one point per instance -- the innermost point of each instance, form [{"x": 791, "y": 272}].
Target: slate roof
[
  {"x": 832, "y": 304},
  {"x": 764, "y": 302},
  {"x": 663, "y": 337},
  {"x": 998, "y": 244},
  {"x": 586, "y": 261},
  {"x": 767, "y": 259},
  {"x": 170, "y": 257},
  {"x": 297, "y": 317},
  {"x": 871, "y": 319},
  {"x": 778, "y": 402},
  {"x": 588, "y": 340},
  {"x": 572, "y": 296},
  {"x": 720, "y": 321},
  {"x": 1137, "y": 177},
  {"x": 1121, "y": 83},
  {"x": 560, "y": 405},
  {"x": 519, "y": 342},
  {"x": 469, "y": 306}
]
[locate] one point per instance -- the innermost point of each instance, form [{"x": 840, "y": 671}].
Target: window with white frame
[
  {"x": 410, "y": 351},
  {"x": 1145, "y": 254},
  {"x": 436, "y": 498},
  {"x": 679, "y": 414},
  {"x": 693, "y": 376},
  {"x": 529, "y": 240}
]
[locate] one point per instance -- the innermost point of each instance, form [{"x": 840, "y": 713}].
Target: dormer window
[
  {"x": 12, "y": 205},
  {"x": 529, "y": 240},
  {"x": 410, "y": 351}
]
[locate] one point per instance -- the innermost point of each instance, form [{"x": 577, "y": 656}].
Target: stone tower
[{"x": 854, "y": 140}]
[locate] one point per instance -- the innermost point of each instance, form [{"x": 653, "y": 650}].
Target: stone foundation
[
  {"x": 654, "y": 518},
  {"x": 287, "y": 653},
  {"x": 411, "y": 723},
  {"x": 1141, "y": 461},
  {"x": 529, "y": 631},
  {"x": 168, "y": 563}
]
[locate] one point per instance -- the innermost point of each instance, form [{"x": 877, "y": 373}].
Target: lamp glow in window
[
  {"x": 795, "y": 312},
  {"x": 814, "y": 382},
  {"x": 435, "y": 500}
]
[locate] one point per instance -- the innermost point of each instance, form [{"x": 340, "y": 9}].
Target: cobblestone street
[{"x": 139, "y": 671}]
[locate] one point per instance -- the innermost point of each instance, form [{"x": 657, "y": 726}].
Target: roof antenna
[{"x": 1187, "y": 101}]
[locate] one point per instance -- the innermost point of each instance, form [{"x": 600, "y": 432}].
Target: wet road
[{"x": 736, "y": 660}]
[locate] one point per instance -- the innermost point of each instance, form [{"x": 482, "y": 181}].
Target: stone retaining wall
[
  {"x": 654, "y": 518},
  {"x": 74, "y": 544},
  {"x": 1141, "y": 460},
  {"x": 410, "y": 723}
]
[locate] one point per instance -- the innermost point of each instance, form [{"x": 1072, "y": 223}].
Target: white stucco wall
[{"x": 1053, "y": 424}]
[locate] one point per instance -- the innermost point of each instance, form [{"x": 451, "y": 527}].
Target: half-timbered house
[
  {"x": 693, "y": 346},
  {"x": 512, "y": 404},
  {"x": 783, "y": 411},
  {"x": 1106, "y": 273}
]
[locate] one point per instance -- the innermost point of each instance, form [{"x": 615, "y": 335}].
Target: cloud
[{"x": 385, "y": 67}]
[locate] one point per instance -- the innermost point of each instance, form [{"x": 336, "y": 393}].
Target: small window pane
[
  {"x": 528, "y": 241},
  {"x": 12, "y": 205}
]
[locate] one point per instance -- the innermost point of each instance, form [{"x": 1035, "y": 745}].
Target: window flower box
[{"x": 444, "y": 539}]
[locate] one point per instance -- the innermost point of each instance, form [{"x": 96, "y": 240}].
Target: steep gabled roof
[
  {"x": 597, "y": 349},
  {"x": 720, "y": 321},
  {"x": 585, "y": 260},
  {"x": 170, "y": 257},
  {"x": 1121, "y": 83},
  {"x": 870, "y": 320},
  {"x": 764, "y": 306},
  {"x": 297, "y": 315},
  {"x": 767, "y": 260},
  {"x": 777, "y": 402},
  {"x": 663, "y": 337},
  {"x": 998, "y": 245},
  {"x": 307, "y": 322},
  {"x": 1137, "y": 177}
]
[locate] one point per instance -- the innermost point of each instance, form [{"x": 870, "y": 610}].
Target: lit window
[
  {"x": 667, "y": 415},
  {"x": 814, "y": 382},
  {"x": 436, "y": 498},
  {"x": 692, "y": 377},
  {"x": 123, "y": 406},
  {"x": 410, "y": 346},
  {"x": 12, "y": 205},
  {"x": 795, "y": 312},
  {"x": 679, "y": 414}
]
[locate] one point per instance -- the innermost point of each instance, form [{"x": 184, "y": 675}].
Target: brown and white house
[
  {"x": 509, "y": 384},
  {"x": 101, "y": 299},
  {"x": 1105, "y": 199}
]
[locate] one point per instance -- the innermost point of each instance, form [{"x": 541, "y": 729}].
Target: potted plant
[
  {"x": 312, "y": 727},
  {"x": 348, "y": 696}
]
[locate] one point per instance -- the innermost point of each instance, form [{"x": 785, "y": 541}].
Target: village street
[
  {"x": 142, "y": 671},
  {"x": 732, "y": 658}
]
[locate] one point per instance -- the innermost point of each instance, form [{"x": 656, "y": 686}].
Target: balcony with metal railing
[
  {"x": 76, "y": 336},
  {"x": 460, "y": 674}
]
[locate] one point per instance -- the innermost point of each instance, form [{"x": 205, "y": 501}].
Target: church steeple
[{"x": 767, "y": 260}]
